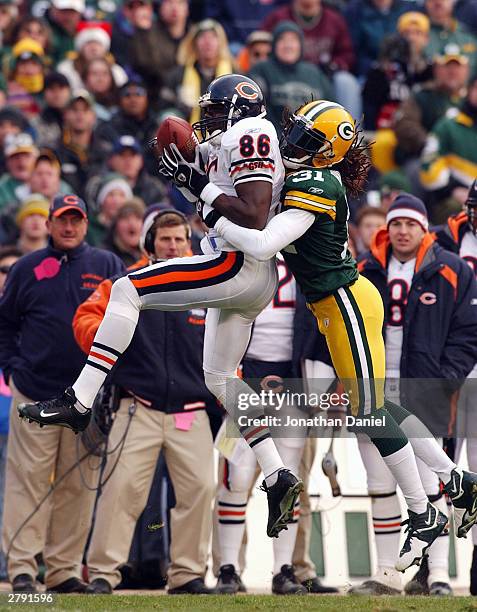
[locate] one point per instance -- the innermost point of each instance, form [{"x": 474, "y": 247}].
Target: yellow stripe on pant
[{"x": 351, "y": 319}]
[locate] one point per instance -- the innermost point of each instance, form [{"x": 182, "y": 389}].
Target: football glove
[
  {"x": 184, "y": 174},
  {"x": 209, "y": 215}
]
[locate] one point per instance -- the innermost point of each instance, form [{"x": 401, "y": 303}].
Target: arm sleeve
[
  {"x": 265, "y": 244},
  {"x": 89, "y": 315},
  {"x": 11, "y": 313}
]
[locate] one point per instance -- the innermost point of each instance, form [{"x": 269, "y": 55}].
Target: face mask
[{"x": 32, "y": 83}]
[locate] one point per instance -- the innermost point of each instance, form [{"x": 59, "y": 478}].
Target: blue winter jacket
[{"x": 40, "y": 297}]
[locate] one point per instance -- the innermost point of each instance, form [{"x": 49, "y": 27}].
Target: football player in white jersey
[
  {"x": 244, "y": 178},
  {"x": 268, "y": 361}
]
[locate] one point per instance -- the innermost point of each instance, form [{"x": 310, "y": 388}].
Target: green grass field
[{"x": 250, "y": 602}]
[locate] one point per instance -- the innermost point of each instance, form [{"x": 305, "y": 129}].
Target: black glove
[
  {"x": 209, "y": 215},
  {"x": 182, "y": 173}
]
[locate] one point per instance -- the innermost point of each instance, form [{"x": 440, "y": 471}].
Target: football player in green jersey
[{"x": 322, "y": 152}]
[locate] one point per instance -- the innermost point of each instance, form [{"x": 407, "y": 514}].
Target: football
[{"x": 178, "y": 131}]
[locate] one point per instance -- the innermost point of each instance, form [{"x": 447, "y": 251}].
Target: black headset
[{"x": 151, "y": 232}]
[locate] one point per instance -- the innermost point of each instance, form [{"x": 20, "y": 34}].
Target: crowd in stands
[{"x": 84, "y": 85}]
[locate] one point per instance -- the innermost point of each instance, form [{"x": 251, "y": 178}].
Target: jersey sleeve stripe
[
  {"x": 313, "y": 207},
  {"x": 309, "y": 202},
  {"x": 310, "y": 196},
  {"x": 255, "y": 176},
  {"x": 244, "y": 166},
  {"x": 251, "y": 159}
]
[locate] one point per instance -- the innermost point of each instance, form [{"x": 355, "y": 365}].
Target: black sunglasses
[{"x": 5, "y": 269}]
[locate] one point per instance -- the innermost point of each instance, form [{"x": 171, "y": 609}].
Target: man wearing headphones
[{"x": 161, "y": 383}]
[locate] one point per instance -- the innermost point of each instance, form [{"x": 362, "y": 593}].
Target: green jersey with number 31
[{"x": 319, "y": 259}]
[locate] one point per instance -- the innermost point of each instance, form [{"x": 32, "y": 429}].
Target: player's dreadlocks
[{"x": 355, "y": 165}]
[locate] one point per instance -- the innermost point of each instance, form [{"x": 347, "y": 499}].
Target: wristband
[{"x": 210, "y": 193}]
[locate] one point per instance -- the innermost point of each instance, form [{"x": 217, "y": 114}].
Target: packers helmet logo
[
  {"x": 346, "y": 130},
  {"x": 251, "y": 94}
]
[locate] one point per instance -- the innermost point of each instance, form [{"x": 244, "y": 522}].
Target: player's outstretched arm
[{"x": 265, "y": 244}]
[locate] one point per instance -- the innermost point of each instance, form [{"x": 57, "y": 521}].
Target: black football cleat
[
  {"x": 422, "y": 529},
  {"x": 286, "y": 583},
  {"x": 281, "y": 501},
  {"x": 58, "y": 411},
  {"x": 228, "y": 582},
  {"x": 462, "y": 491}
]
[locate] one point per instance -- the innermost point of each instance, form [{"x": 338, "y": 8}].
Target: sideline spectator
[
  {"x": 26, "y": 77},
  {"x": 63, "y": 17},
  {"x": 113, "y": 192},
  {"x": 134, "y": 116},
  {"x": 8, "y": 17},
  {"x": 37, "y": 29},
  {"x": 46, "y": 176},
  {"x": 449, "y": 159},
  {"x": 428, "y": 295},
  {"x": 161, "y": 375},
  {"x": 92, "y": 41},
  {"x": 152, "y": 47},
  {"x": 12, "y": 122},
  {"x": 8, "y": 256},
  {"x": 445, "y": 29},
  {"x": 369, "y": 21},
  {"x": 78, "y": 149},
  {"x": 401, "y": 66},
  {"x": 240, "y": 19},
  {"x": 327, "y": 44},
  {"x": 38, "y": 356},
  {"x": 127, "y": 159},
  {"x": 419, "y": 113},
  {"x": 49, "y": 123},
  {"x": 125, "y": 232},
  {"x": 368, "y": 220},
  {"x": 203, "y": 55},
  {"x": 285, "y": 78},
  {"x": 258, "y": 47},
  {"x": 31, "y": 221},
  {"x": 20, "y": 155},
  {"x": 99, "y": 81}
]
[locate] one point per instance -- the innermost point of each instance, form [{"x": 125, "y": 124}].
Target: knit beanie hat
[
  {"x": 34, "y": 204},
  {"x": 408, "y": 206},
  {"x": 109, "y": 183}
]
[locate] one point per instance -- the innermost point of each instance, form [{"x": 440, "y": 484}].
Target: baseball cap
[
  {"x": 126, "y": 142},
  {"x": 81, "y": 94},
  {"x": 19, "y": 143},
  {"x": 70, "y": 201},
  {"x": 451, "y": 53},
  {"x": 408, "y": 206},
  {"x": 73, "y": 5},
  {"x": 55, "y": 78},
  {"x": 26, "y": 49},
  {"x": 413, "y": 18},
  {"x": 258, "y": 36},
  {"x": 135, "y": 82}
]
